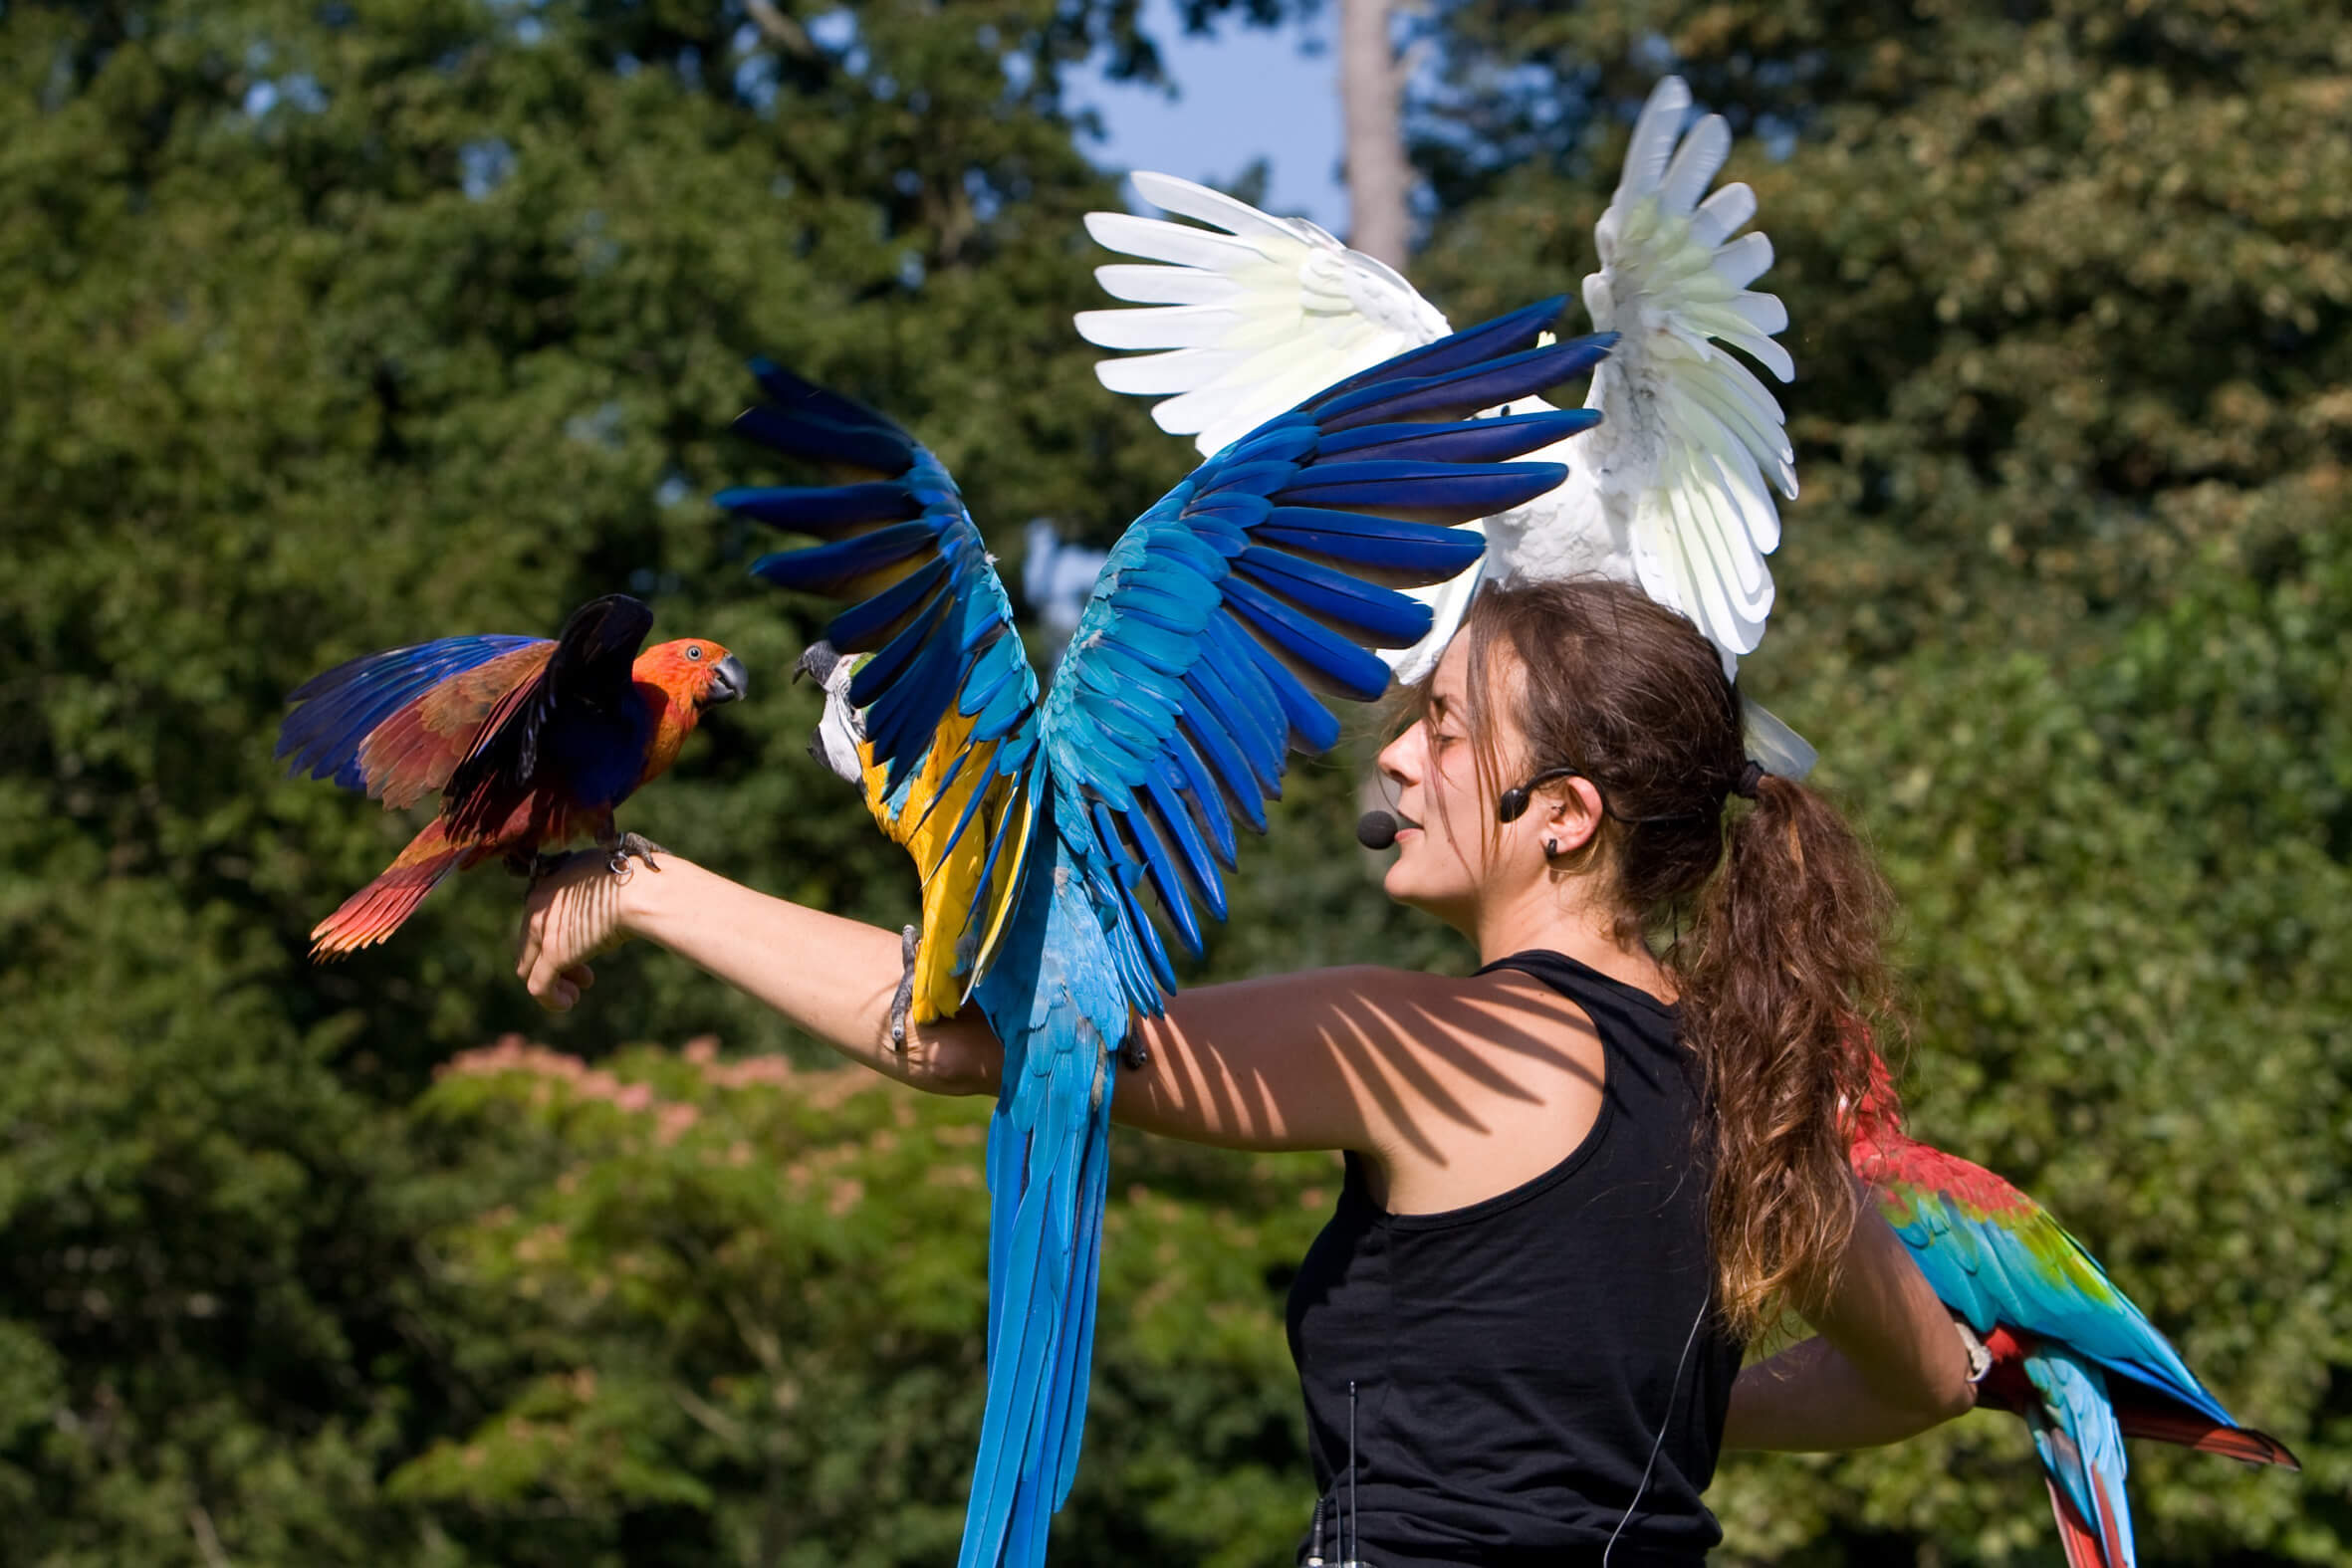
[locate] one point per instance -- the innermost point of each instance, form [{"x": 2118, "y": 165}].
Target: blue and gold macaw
[{"x": 1221, "y": 620}]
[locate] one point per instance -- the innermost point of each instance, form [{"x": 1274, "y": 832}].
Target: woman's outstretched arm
[
  {"x": 1888, "y": 1365},
  {"x": 1405, "y": 1067},
  {"x": 831, "y": 977}
]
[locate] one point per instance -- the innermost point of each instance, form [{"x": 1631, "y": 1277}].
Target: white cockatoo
[{"x": 1673, "y": 490}]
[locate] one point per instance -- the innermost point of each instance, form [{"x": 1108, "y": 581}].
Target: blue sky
[{"x": 1241, "y": 92}]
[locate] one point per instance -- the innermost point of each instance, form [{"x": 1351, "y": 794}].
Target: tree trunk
[{"x": 1371, "y": 94}]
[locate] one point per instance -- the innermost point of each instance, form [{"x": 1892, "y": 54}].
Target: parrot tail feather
[
  {"x": 1045, "y": 1249},
  {"x": 377, "y": 909},
  {"x": 2206, "y": 1436},
  {"x": 2081, "y": 1543}
]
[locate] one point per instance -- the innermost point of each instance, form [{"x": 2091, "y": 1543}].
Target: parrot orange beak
[{"x": 727, "y": 683}]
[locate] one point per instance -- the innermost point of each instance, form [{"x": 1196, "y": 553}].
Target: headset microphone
[{"x": 1378, "y": 829}]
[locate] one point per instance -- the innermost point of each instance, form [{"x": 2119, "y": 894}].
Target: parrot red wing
[{"x": 531, "y": 741}]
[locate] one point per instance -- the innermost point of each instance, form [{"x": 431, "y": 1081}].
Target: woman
[{"x": 1578, "y": 1180}]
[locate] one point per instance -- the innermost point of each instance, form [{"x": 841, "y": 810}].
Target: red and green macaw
[
  {"x": 1047, "y": 823},
  {"x": 2070, "y": 1353},
  {"x": 531, "y": 743}
]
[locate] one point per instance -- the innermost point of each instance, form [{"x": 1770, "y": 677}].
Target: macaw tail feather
[
  {"x": 1049, "y": 1184},
  {"x": 2081, "y": 1542},
  {"x": 377, "y": 909},
  {"x": 2142, "y": 1416}
]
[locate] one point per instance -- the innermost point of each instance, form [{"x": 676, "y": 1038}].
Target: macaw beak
[
  {"x": 818, "y": 660},
  {"x": 728, "y": 681}
]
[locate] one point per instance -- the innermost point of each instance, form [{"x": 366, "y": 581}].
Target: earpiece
[{"x": 1512, "y": 804}]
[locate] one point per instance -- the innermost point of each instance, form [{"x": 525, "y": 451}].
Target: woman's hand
[{"x": 571, "y": 915}]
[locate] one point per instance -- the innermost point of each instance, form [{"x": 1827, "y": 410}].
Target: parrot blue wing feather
[
  {"x": 335, "y": 711},
  {"x": 1999, "y": 1268},
  {"x": 1473, "y": 441}
]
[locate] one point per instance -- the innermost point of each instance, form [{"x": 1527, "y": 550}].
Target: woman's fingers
[{"x": 570, "y": 915}]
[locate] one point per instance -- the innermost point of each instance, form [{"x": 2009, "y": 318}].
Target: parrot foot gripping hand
[
  {"x": 634, "y": 846},
  {"x": 902, "y": 1001}
]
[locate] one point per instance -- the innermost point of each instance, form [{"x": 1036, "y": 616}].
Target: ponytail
[
  {"x": 1772, "y": 915},
  {"x": 1783, "y": 957}
]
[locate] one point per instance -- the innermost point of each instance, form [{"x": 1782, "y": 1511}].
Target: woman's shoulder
[{"x": 1436, "y": 998}]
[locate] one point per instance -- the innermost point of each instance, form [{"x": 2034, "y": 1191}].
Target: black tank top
[{"x": 1517, "y": 1362}]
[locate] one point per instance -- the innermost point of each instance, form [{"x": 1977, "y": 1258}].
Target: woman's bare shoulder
[{"x": 1339, "y": 1058}]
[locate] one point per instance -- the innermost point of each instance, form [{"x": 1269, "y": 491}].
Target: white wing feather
[
  {"x": 1690, "y": 445},
  {"x": 1673, "y": 490},
  {"x": 1259, "y": 312}
]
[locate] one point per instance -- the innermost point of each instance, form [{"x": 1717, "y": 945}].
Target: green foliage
[
  {"x": 747, "y": 1301},
  {"x": 329, "y": 327}
]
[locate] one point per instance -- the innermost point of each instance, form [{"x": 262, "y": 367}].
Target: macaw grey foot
[
  {"x": 538, "y": 868},
  {"x": 634, "y": 846},
  {"x": 902, "y": 1001},
  {"x": 1134, "y": 1055}
]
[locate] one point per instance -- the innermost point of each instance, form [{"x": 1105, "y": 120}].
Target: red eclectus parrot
[
  {"x": 531, "y": 743},
  {"x": 2070, "y": 1353},
  {"x": 1223, "y": 619}
]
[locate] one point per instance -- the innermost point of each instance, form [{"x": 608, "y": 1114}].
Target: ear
[{"x": 1569, "y": 811}]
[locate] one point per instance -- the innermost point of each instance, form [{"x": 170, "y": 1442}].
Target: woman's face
[{"x": 1446, "y": 850}]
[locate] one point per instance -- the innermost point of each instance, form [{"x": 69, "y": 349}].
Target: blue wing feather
[
  {"x": 334, "y": 710},
  {"x": 1989, "y": 1272}
]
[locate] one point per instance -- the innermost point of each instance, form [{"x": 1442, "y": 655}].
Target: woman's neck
[{"x": 1554, "y": 918}]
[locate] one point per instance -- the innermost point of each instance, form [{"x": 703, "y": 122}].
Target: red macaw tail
[
  {"x": 2146, "y": 1415},
  {"x": 2082, "y": 1545},
  {"x": 377, "y": 909}
]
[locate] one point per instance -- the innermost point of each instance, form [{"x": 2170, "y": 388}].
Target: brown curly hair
[{"x": 1769, "y": 916}]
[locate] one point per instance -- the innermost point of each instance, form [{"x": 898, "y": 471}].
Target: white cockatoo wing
[
  {"x": 1691, "y": 446},
  {"x": 1249, "y": 317}
]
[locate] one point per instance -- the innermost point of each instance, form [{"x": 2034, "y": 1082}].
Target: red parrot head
[
  {"x": 693, "y": 672},
  {"x": 680, "y": 679}
]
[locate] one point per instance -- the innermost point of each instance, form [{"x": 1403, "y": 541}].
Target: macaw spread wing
[
  {"x": 946, "y": 692},
  {"x": 1253, "y": 590},
  {"x": 1219, "y": 622}
]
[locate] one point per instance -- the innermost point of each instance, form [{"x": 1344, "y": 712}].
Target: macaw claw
[
  {"x": 634, "y": 846},
  {"x": 902, "y": 1001},
  {"x": 1134, "y": 1055}
]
